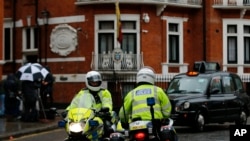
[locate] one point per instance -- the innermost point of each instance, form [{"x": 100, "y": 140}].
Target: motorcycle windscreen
[{"x": 78, "y": 114}]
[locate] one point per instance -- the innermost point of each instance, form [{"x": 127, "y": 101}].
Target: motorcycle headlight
[{"x": 76, "y": 127}]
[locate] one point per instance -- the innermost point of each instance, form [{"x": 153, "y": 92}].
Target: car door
[
  {"x": 216, "y": 105},
  {"x": 231, "y": 100}
]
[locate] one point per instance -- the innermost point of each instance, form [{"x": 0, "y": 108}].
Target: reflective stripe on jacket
[
  {"x": 85, "y": 99},
  {"x": 135, "y": 103}
]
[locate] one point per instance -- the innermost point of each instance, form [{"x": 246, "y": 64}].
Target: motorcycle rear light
[{"x": 140, "y": 136}]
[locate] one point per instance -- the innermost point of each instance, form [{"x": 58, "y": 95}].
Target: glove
[{"x": 125, "y": 125}]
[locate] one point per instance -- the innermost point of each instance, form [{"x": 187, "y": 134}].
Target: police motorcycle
[
  {"x": 141, "y": 130},
  {"x": 84, "y": 124}
]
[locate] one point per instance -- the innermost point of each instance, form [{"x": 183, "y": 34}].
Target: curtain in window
[{"x": 232, "y": 50}]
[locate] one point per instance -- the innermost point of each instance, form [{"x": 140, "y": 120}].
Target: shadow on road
[{"x": 207, "y": 128}]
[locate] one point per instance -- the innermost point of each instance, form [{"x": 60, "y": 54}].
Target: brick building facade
[{"x": 167, "y": 35}]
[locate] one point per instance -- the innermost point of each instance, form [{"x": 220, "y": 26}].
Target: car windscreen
[{"x": 188, "y": 85}]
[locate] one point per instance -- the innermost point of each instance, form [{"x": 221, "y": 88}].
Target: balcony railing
[
  {"x": 160, "y": 4},
  {"x": 156, "y": 2},
  {"x": 231, "y": 4},
  {"x": 106, "y": 62}
]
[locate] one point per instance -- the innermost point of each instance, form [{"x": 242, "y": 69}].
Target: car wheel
[
  {"x": 242, "y": 119},
  {"x": 199, "y": 122}
]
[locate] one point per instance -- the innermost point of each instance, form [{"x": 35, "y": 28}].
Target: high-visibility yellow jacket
[
  {"x": 135, "y": 104},
  {"x": 86, "y": 100}
]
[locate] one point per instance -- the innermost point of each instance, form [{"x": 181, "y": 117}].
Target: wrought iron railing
[
  {"x": 231, "y": 3},
  {"x": 106, "y": 62},
  {"x": 157, "y": 2}
]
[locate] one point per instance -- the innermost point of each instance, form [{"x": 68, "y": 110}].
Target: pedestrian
[
  {"x": 47, "y": 90},
  {"x": 2, "y": 97},
  {"x": 12, "y": 89},
  {"x": 30, "y": 100},
  {"x": 135, "y": 102}
]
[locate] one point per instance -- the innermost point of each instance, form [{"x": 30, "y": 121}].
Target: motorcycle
[
  {"x": 84, "y": 124},
  {"x": 145, "y": 130}
]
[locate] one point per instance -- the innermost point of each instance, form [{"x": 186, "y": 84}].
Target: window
[
  {"x": 174, "y": 40},
  {"x": 106, "y": 41},
  {"x": 30, "y": 44},
  {"x": 174, "y": 36},
  {"x": 106, "y": 37},
  {"x": 216, "y": 84},
  {"x": 30, "y": 39},
  {"x": 247, "y": 44},
  {"x": 7, "y": 40},
  {"x": 236, "y": 43},
  {"x": 232, "y": 44},
  {"x": 7, "y": 44},
  {"x": 239, "y": 84},
  {"x": 130, "y": 38},
  {"x": 228, "y": 84}
]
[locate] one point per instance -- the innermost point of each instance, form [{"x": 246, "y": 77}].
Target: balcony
[
  {"x": 119, "y": 62},
  {"x": 160, "y": 4},
  {"x": 231, "y": 4}
]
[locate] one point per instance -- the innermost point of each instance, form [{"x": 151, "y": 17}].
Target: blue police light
[
  {"x": 61, "y": 123},
  {"x": 93, "y": 123},
  {"x": 151, "y": 101}
]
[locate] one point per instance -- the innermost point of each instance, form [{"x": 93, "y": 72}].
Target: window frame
[
  {"x": 240, "y": 43},
  {"x": 179, "y": 22},
  {"x": 112, "y": 17}
]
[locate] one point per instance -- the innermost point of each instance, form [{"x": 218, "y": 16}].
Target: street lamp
[{"x": 45, "y": 15}]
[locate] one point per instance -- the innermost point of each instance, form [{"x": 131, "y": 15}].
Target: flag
[{"x": 119, "y": 24}]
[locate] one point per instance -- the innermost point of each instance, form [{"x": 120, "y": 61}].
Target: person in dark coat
[
  {"x": 47, "y": 90},
  {"x": 2, "y": 99},
  {"x": 12, "y": 88},
  {"x": 30, "y": 101}
]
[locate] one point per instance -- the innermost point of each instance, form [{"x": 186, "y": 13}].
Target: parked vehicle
[
  {"x": 141, "y": 130},
  {"x": 84, "y": 124},
  {"x": 208, "y": 95}
]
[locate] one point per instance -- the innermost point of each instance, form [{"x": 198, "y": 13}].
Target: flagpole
[
  {"x": 119, "y": 40},
  {"x": 118, "y": 25}
]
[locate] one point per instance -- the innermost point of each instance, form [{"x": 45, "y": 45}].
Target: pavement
[{"x": 17, "y": 128}]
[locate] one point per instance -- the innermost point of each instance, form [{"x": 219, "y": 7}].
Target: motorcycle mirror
[{"x": 151, "y": 101}]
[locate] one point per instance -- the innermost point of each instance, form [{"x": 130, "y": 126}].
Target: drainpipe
[
  {"x": 204, "y": 30},
  {"x": 37, "y": 43},
  {"x": 14, "y": 36}
]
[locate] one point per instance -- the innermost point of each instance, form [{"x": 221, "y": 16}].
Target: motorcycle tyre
[{"x": 168, "y": 135}]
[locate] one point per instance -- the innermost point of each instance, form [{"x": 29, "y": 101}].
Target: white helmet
[
  {"x": 93, "y": 80},
  {"x": 145, "y": 74}
]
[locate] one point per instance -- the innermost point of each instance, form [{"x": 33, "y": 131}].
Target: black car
[{"x": 208, "y": 95}]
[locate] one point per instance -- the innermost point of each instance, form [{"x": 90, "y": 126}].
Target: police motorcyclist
[
  {"x": 135, "y": 102},
  {"x": 99, "y": 97}
]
